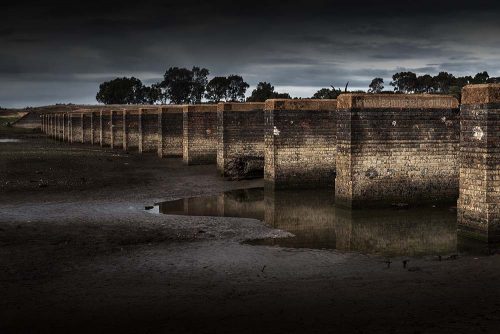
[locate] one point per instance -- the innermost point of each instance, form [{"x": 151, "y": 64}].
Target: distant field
[{"x": 9, "y": 116}]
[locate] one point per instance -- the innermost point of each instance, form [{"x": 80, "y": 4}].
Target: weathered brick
[
  {"x": 478, "y": 204},
  {"x": 117, "y": 128},
  {"x": 148, "y": 130},
  {"x": 87, "y": 126},
  {"x": 396, "y": 149},
  {"x": 300, "y": 143},
  {"x": 131, "y": 129},
  {"x": 170, "y": 131},
  {"x": 240, "y": 145},
  {"x": 105, "y": 126},
  {"x": 199, "y": 134}
]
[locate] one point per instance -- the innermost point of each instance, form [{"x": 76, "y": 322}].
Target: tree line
[
  {"x": 184, "y": 86},
  {"x": 191, "y": 86},
  {"x": 442, "y": 83}
]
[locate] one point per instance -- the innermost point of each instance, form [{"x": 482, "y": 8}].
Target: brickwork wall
[
  {"x": 54, "y": 126},
  {"x": 106, "y": 134},
  {"x": 396, "y": 149},
  {"x": 299, "y": 141},
  {"x": 479, "y": 201},
  {"x": 148, "y": 130},
  {"x": 58, "y": 127},
  {"x": 117, "y": 128},
  {"x": 170, "y": 131},
  {"x": 87, "y": 127},
  {"x": 240, "y": 144},
  {"x": 199, "y": 134},
  {"x": 76, "y": 128},
  {"x": 66, "y": 127},
  {"x": 131, "y": 130},
  {"x": 96, "y": 128}
]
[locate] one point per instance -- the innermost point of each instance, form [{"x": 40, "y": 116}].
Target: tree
[
  {"x": 376, "y": 86},
  {"x": 326, "y": 93},
  {"x": 443, "y": 81},
  {"x": 121, "y": 91},
  {"x": 181, "y": 85},
  {"x": 404, "y": 82},
  {"x": 236, "y": 88},
  {"x": 481, "y": 78},
  {"x": 217, "y": 89},
  {"x": 425, "y": 84},
  {"x": 463, "y": 81},
  {"x": 152, "y": 94},
  {"x": 265, "y": 91},
  {"x": 177, "y": 84},
  {"x": 198, "y": 84}
]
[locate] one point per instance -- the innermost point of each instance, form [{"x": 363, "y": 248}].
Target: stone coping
[
  {"x": 396, "y": 101},
  {"x": 301, "y": 104},
  {"x": 234, "y": 106},
  {"x": 478, "y": 94},
  {"x": 149, "y": 111},
  {"x": 200, "y": 108},
  {"x": 171, "y": 108}
]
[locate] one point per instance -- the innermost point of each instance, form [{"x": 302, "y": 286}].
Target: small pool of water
[
  {"x": 316, "y": 222},
  {"x": 9, "y": 140}
]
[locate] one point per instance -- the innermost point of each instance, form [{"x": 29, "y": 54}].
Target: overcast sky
[{"x": 59, "y": 51}]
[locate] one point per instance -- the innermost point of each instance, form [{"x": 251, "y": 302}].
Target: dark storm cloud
[{"x": 55, "y": 51}]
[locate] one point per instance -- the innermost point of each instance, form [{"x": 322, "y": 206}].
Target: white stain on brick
[
  {"x": 478, "y": 133},
  {"x": 276, "y": 131},
  {"x": 394, "y": 123}
]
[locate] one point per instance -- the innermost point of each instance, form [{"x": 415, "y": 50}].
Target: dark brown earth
[{"x": 78, "y": 254}]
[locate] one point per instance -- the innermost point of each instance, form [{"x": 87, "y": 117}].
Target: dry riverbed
[{"x": 79, "y": 254}]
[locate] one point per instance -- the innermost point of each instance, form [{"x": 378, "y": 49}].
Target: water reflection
[
  {"x": 10, "y": 140},
  {"x": 317, "y": 223},
  {"x": 243, "y": 203}
]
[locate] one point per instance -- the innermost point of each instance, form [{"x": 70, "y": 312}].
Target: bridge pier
[
  {"x": 240, "y": 144},
  {"x": 60, "y": 124},
  {"x": 116, "y": 118},
  {"x": 58, "y": 127},
  {"x": 199, "y": 134},
  {"x": 170, "y": 131},
  {"x": 63, "y": 129},
  {"x": 396, "y": 149},
  {"x": 105, "y": 128},
  {"x": 148, "y": 130},
  {"x": 96, "y": 127},
  {"x": 76, "y": 129},
  {"x": 299, "y": 143},
  {"x": 479, "y": 200},
  {"x": 87, "y": 127},
  {"x": 130, "y": 129}
]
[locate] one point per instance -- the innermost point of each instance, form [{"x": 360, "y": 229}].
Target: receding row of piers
[{"x": 373, "y": 149}]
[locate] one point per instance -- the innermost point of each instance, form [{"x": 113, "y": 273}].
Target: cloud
[{"x": 55, "y": 52}]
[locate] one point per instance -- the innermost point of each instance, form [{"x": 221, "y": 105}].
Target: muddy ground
[{"x": 79, "y": 254}]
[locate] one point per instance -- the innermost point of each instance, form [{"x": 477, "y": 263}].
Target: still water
[
  {"x": 9, "y": 140},
  {"x": 316, "y": 222}
]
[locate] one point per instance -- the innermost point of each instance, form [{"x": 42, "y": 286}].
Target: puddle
[
  {"x": 10, "y": 140},
  {"x": 315, "y": 222}
]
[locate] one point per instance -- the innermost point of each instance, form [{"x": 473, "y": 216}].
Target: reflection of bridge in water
[{"x": 317, "y": 223}]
